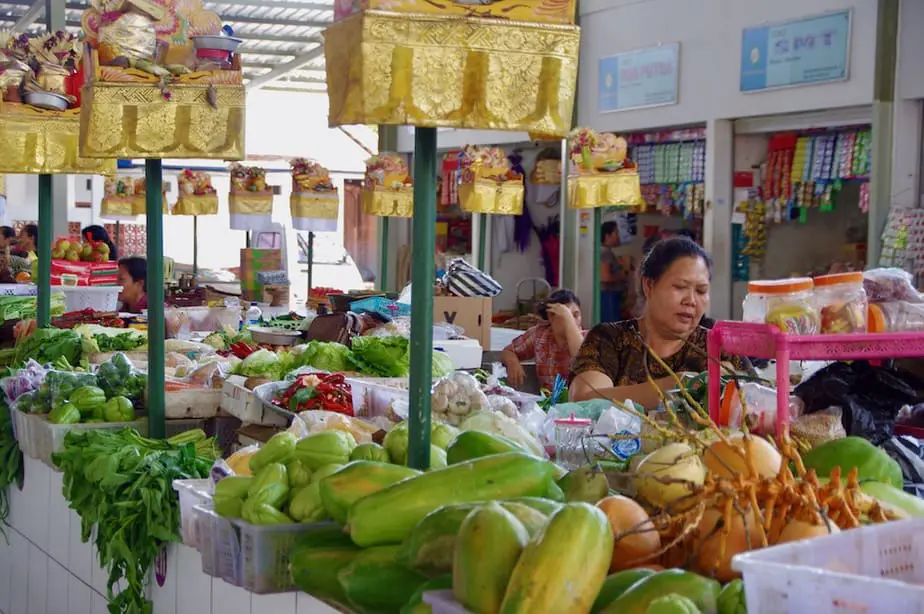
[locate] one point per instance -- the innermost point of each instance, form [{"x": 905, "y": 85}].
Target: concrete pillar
[{"x": 720, "y": 151}]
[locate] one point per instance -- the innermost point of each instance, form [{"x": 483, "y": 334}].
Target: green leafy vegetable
[
  {"x": 11, "y": 465},
  {"x": 382, "y": 356},
  {"x": 121, "y": 485},
  {"x": 333, "y": 357},
  {"x": 442, "y": 365},
  {"x": 47, "y": 345},
  {"x": 102, "y": 339}
]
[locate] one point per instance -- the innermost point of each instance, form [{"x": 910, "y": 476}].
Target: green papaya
[
  {"x": 325, "y": 448},
  {"x": 587, "y": 484},
  {"x": 428, "y": 549},
  {"x": 315, "y": 569},
  {"x": 488, "y": 546},
  {"x": 894, "y": 498},
  {"x": 871, "y": 462},
  {"x": 554, "y": 492},
  {"x": 546, "y": 506},
  {"x": 324, "y": 535},
  {"x": 532, "y": 519},
  {"x": 672, "y": 604},
  {"x": 704, "y": 592},
  {"x": 731, "y": 599},
  {"x": 356, "y": 480},
  {"x": 470, "y": 445},
  {"x": 416, "y": 605},
  {"x": 617, "y": 584},
  {"x": 375, "y": 583}
]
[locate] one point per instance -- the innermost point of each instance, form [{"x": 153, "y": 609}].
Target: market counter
[{"x": 46, "y": 569}]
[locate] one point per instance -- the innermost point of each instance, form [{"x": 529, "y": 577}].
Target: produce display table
[{"x": 46, "y": 569}]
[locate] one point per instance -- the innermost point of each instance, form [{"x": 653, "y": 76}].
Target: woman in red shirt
[
  {"x": 553, "y": 343},
  {"x": 133, "y": 277}
]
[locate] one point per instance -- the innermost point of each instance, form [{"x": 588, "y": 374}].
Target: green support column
[
  {"x": 310, "y": 257},
  {"x": 154, "y": 180},
  {"x": 45, "y": 229},
  {"x": 383, "y": 253},
  {"x": 481, "y": 258},
  {"x": 422, "y": 273},
  {"x": 595, "y": 264},
  {"x": 195, "y": 247}
]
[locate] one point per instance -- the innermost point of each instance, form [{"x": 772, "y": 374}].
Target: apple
[
  {"x": 72, "y": 255},
  {"x": 64, "y": 245},
  {"x": 103, "y": 249},
  {"x": 57, "y": 254},
  {"x": 87, "y": 252}
]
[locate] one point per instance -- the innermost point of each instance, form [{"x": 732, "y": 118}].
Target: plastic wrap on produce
[
  {"x": 890, "y": 284},
  {"x": 23, "y": 381}
]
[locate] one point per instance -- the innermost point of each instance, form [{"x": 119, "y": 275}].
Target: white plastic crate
[
  {"x": 39, "y": 439},
  {"x": 244, "y": 405},
  {"x": 219, "y": 546},
  {"x": 372, "y": 397},
  {"x": 443, "y": 602},
  {"x": 876, "y": 569},
  {"x": 100, "y": 298},
  {"x": 265, "y": 555},
  {"x": 192, "y": 493},
  {"x": 18, "y": 290}
]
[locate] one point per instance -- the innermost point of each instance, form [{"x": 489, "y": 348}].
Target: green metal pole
[
  {"x": 195, "y": 246},
  {"x": 45, "y": 230},
  {"x": 482, "y": 240},
  {"x": 422, "y": 274},
  {"x": 383, "y": 253},
  {"x": 154, "y": 180},
  {"x": 310, "y": 257},
  {"x": 595, "y": 263}
]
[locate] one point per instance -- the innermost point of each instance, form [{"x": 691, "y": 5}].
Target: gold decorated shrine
[
  {"x": 131, "y": 120},
  {"x": 250, "y": 204},
  {"x": 117, "y": 206},
  {"x": 196, "y": 204},
  {"x": 38, "y": 141},
  {"x": 621, "y": 189},
  {"x": 388, "y": 203},
  {"x": 489, "y": 196},
  {"x": 320, "y": 206},
  {"x": 458, "y": 72}
]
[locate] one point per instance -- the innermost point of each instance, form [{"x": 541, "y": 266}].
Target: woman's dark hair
[
  {"x": 559, "y": 297},
  {"x": 98, "y": 233},
  {"x": 667, "y": 251},
  {"x": 607, "y": 229},
  {"x": 32, "y": 231},
  {"x": 7, "y": 232},
  {"x": 136, "y": 267}
]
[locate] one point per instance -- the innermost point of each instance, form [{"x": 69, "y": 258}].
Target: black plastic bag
[{"x": 869, "y": 396}]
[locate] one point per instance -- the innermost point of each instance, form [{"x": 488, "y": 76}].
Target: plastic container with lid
[
  {"x": 841, "y": 302},
  {"x": 895, "y": 317},
  {"x": 786, "y": 303}
]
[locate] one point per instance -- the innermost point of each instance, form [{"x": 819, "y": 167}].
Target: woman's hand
[
  {"x": 516, "y": 376},
  {"x": 562, "y": 312}
]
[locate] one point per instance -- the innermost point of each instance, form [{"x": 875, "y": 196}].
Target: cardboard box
[
  {"x": 473, "y": 315},
  {"x": 254, "y": 261},
  {"x": 542, "y": 11}
]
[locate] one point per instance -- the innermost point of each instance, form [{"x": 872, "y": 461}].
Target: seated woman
[
  {"x": 552, "y": 343},
  {"x": 133, "y": 277},
  {"x": 613, "y": 362}
]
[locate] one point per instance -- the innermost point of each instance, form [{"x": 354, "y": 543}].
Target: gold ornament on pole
[
  {"x": 250, "y": 202},
  {"x": 315, "y": 202},
  {"x": 197, "y": 195},
  {"x": 489, "y": 184},
  {"x": 388, "y": 190},
  {"x": 601, "y": 173}
]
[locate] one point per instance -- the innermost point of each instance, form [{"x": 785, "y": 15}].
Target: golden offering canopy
[{"x": 388, "y": 203}]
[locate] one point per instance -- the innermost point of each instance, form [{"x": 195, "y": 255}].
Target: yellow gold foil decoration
[
  {"x": 192, "y": 204},
  {"x": 137, "y": 121},
  {"x": 388, "y": 203},
  {"x": 37, "y": 141},
  {"x": 622, "y": 189},
  {"x": 117, "y": 206},
  {"x": 315, "y": 212},
  {"x": 457, "y": 72},
  {"x": 250, "y": 204},
  {"x": 489, "y": 196}
]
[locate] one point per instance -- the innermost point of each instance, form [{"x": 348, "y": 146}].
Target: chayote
[
  {"x": 731, "y": 599},
  {"x": 233, "y": 486},
  {"x": 279, "y": 449},
  {"x": 66, "y": 413},
  {"x": 263, "y": 514},
  {"x": 274, "y": 473},
  {"x": 118, "y": 409},
  {"x": 299, "y": 475},
  {"x": 306, "y": 505},
  {"x": 229, "y": 507}
]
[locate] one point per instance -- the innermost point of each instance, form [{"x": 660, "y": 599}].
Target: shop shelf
[
  {"x": 768, "y": 342},
  {"x": 876, "y": 569}
]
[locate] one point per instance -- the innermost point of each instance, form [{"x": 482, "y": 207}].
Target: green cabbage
[
  {"x": 333, "y": 357},
  {"x": 442, "y": 364},
  {"x": 382, "y": 356},
  {"x": 261, "y": 363}
]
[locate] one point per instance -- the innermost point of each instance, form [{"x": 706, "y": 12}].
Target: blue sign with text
[
  {"x": 801, "y": 52},
  {"x": 640, "y": 78}
]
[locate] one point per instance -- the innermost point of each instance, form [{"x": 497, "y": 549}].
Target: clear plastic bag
[
  {"x": 61, "y": 384},
  {"x": 901, "y": 316},
  {"x": 755, "y": 406},
  {"x": 456, "y": 396},
  {"x": 820, "y": 426},
  {"x": 27, "y": 379},
  {"x": 890, "y": 284},
  {"x": 119, "y": 377}
]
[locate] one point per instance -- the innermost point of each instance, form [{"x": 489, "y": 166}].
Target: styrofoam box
[
  {"x": 192, "y": 493},
  {"x": 876, "y": 569},
  {"x": 244, "y": 405},
  {"x": 372, "y": 397},
  {"x": 465, "y": 353},
  {"x": 39, "y": 439},
  {"x": 100, "y": 298},
  {"x": 193, "y": 403}
]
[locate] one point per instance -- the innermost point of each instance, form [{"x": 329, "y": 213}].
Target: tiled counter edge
[{"x": 45, "y": 568}]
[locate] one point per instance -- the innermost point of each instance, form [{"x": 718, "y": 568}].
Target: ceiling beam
[
  {"x": 273, "y": 4},
  {"x": 270, "y": 21},
  {"x": 70, "y": 22},
  {"x": 276, "y": 38},
  {"x": 36, "y": 10},
  {"x": 295, "y": 90},
  {"x": 283, "y": 69}
]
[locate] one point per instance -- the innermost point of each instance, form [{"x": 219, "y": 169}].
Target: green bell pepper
[
  {"x": 118, "y": 409},
  {"x": 672, "y": 604},
  {"x": 66, "y": 413},
  {"x": 731, "y": 599}
]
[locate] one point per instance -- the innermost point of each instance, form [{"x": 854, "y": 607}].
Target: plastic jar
[
  {"x": 841, "y": 302},
  {"x": 786, "y": 303},
  {"x": 895, "y": 317}
]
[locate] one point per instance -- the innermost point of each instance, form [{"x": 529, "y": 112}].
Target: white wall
[{"x": 709, "y": 33}]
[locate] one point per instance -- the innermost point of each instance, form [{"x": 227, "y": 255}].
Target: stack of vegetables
[{"x": 120, "y": 484}]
